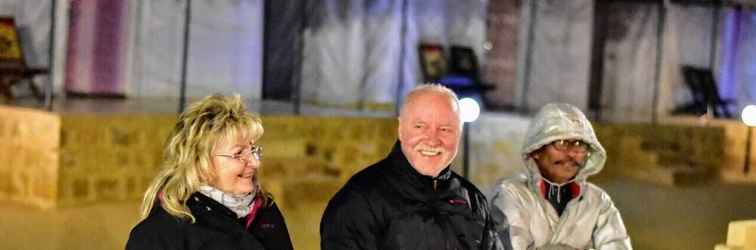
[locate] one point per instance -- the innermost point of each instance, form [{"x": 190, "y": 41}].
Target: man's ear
[
  {"x": 535, "y": 155},
  {"x": 399, "y": 129}
]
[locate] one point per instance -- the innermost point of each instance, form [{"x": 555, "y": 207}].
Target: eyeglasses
[
  {"x": 254, "y": 152},
  {"x": 571, "y": 145}
]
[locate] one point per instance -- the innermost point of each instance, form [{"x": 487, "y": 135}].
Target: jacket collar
[
  {"x": 441, "y": 193},
  {"x": 212, "y": 214},
  {"x": 201, "y": 205},
  {"x": 399, "y": 164}
]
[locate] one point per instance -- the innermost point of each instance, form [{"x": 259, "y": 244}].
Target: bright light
[
  {"x": 469, "y": 108},
  {"x": 749, "y": 115}
]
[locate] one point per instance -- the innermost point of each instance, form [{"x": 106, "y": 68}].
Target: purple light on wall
[
  {"x": 108, "y": 48},
  {"x": 747, "y": 53},
  {"x": 96, "y": 45},
  {"x": 72, "y": 51},
  {"x": 728, "y": 66}
]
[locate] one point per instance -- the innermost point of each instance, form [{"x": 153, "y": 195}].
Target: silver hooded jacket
[{"x": 589, "y": 221}]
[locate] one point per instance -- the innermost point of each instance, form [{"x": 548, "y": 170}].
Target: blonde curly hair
[{"x": 187, "y": 162}]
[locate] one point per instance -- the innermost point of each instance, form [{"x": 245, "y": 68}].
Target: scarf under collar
[{"x": 240, "y": 204}]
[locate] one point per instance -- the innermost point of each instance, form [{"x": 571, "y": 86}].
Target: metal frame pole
[
  {"x": 185, "y": 55},
  {"x": 51, "y": 58},
  {"x": 402, "y": 54},
  {"x": 659, "y": 56},
  {"x": 528, "y": 55},
  {"x": 714, "y": 34},
  {"x": 747, "y": 162},
  {"x": 466, "y": 149},
  {"x": 297, "y": 95}
]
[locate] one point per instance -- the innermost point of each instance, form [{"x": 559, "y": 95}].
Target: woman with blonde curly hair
[{"x": 208, "y": 193}]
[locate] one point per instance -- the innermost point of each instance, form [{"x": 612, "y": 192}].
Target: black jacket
[
  {"x": 389, "y": 205},
  {"x": 217, "y": 227}
]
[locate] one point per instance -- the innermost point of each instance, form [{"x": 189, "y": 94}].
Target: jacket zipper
[
  {"x": 559, "y": 225},
  {"x": 435, "y": 181}
]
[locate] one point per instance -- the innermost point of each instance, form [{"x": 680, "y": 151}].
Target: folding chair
[
  {"x": 704, "y": 92},
  {"x": 13, "y": 68},
  {"x": 461, "y": 74}
]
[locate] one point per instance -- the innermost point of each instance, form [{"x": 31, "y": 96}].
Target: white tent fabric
[
  {"x": 225, "y": 48},
  {"x": 33, "y": 20},
  {"x": 559, "y": 63},
  {"x": 693, "y": 25},
  {"x": 366, "y": 52},
  {"x": 362, "y": 52},
  {"x": 671, "y": 89},
  {"x": 348, "y": 52},
  {"x": 688, "y": 29},
  {"x": 158, "y": 47},
  {"x": 630, "y": 63}
]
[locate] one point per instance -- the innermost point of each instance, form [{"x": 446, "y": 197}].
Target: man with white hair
[
  {"x": 411, "y": 199},
  {"x": 552, "y": 206}
]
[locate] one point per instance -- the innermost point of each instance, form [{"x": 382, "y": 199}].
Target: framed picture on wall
[
  {"x": 432, "y": 61},
  {"x": 10, "y": 49}
]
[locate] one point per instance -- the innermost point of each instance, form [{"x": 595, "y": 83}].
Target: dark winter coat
[
  {"x": 389, "y": 205},
  {"x": 217, "y": 227}
]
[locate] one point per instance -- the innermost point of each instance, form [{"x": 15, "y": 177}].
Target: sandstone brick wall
[
  {"x": 668, "y": 154},
  {"x": 307, "y": 159},
  {"x": 99, "y": 157},
  {"x": 50, "y": 160},
  {"x": 110, "y": 156},
  {"x": 53, "y": 160},
  {"x": 732, "y": 154},
  {"x": 29, "y": 155}
]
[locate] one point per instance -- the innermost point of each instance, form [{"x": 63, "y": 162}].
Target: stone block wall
[
  {"x": 60, "y": 160},
  {"x": 671, "y": 154},
  {"x": 92, "y": 157},
  {"x": 344, "y": 145},
  {"x": 732, "y": 155},
  {"x": 107, "y": 157},
  {"x": 50, "y": 160},
  {"x": 495, "y": 143},
  {"x": 307, "y": 159},
  {"x": 29, "y": 155}
]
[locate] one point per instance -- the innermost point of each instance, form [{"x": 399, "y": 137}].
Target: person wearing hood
[
  {"x": 412, "y": 199},
  {"x": 552, "y": 205}
]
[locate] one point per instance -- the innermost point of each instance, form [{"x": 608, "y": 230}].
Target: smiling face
[
  {"x": 429, "y": 131},
  {"x": 234, "y": 166},
  {"x": 558, "y": 166}
]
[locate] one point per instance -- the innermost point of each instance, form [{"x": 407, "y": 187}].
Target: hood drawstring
[
  {"x": 555, "y": 188},
  {"x": 553, "y": 193}
]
